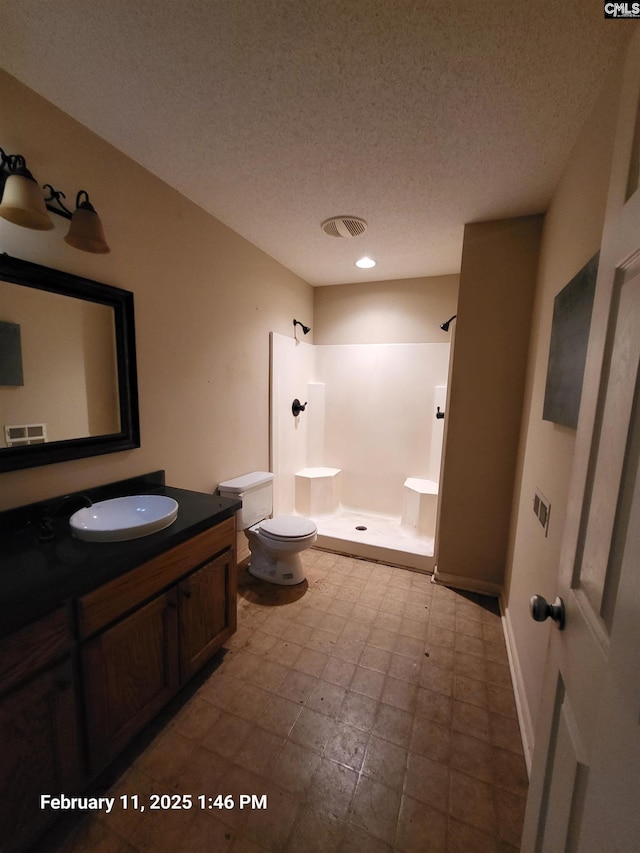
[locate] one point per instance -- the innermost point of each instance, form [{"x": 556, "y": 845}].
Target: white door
[{"x": 584, "y": 792}]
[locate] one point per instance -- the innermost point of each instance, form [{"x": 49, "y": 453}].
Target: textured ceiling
[{"x": 275, "y": 114}]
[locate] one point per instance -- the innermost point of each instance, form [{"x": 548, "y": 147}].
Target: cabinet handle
[{"x": 186, "y": 593}]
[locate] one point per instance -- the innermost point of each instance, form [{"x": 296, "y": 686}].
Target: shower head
[
  {"x": 305, "y": 329},
  {"x": 445, "y": 326}
]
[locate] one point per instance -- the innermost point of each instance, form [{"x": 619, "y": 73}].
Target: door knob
[{"x": 541, "y": 610}]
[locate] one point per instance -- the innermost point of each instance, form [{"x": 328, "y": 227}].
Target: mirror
[{"x": 68, "y": 382}]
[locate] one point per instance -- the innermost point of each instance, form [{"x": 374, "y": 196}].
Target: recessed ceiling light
[{"x": 365, "y": 263}]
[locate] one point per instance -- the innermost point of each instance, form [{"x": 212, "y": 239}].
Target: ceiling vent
[{"x": 344, "y": 226}]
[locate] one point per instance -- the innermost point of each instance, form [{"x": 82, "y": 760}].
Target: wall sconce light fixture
[{"x": 24, "y": 204}]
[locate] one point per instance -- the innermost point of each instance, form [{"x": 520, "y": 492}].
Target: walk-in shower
[{"x": 363, "y": 458}]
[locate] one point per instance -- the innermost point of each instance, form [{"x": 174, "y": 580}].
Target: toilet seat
[{"x": 287, "y": 528}]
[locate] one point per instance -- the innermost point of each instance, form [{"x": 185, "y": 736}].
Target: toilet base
[
  {"x": 286, "y": 570},
  {"x": 277, "y": 563}
]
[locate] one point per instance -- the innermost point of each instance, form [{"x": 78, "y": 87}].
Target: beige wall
[
  {"x": 205, "y": 302},
  {"x": 497, "y": 283},
  {"x": 572, "y": 234},
  {"x": 51, "y": 332},
  {"x": 407, "y": 311}
]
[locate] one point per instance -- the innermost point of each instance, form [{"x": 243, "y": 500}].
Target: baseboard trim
[
  {"x": 522, "y": 706},
  {"x": 467, "y": 584}
]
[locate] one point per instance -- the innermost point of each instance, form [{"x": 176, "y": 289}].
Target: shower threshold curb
[{"x": 377, "y": 553}]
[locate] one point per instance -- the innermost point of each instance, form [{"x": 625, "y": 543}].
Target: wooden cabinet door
[
  {"x": 131, "y": 671},
  {"x": 39, "y": 753},
  {"x": 207, "y": 612}
]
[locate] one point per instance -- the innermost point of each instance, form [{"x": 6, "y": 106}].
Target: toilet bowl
[{"x": 275, "y": 543}]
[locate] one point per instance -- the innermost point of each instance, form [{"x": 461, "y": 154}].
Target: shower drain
[{"x": 360, "y": 527}]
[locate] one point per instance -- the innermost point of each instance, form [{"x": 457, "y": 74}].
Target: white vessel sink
[{"x": 119, "y": 519}]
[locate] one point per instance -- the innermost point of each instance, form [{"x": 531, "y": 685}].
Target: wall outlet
[{"x": 542, "y": 509}]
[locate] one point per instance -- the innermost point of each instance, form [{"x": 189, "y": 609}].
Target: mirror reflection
[
  {"x": 65, "y": 347},
  {"x": 68, "y": 380}
]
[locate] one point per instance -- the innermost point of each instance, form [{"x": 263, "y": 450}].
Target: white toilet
[{"x": 275, "y": 543}]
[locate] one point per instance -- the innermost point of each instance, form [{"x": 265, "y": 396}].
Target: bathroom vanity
[{"x": 95, "y": 638}]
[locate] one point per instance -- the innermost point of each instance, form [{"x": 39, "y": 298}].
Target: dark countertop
[{"x": 37, "y": 577}]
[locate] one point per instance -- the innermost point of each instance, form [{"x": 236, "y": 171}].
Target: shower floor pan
[{"x": 384, "y": 539}]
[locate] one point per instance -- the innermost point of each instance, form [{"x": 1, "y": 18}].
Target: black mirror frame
[{"x": 39, "y": 277}]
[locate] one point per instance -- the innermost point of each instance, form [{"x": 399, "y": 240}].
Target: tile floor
[{"x": 373, "y": 708}]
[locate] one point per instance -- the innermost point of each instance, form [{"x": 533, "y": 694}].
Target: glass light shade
[
  {"x": 86, "y": 231},
  {"x": 365, "y": 263},
  {"x": 23, "y": 204}
]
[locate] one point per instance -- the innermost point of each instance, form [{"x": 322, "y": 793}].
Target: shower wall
[
  {"x": 379, "y": 417},
  {"x": 371, "y": 413},
  {"x": 291, "y": 371}
]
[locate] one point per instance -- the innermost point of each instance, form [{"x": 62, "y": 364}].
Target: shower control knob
[
  {"x": 542, "y": 610},
  {"x": 297, "y": 407}
]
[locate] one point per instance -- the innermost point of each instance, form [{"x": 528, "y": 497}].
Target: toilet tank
[{"x": 255, "y": 490}]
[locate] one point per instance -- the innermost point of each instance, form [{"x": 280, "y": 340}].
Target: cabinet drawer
[
  {"x": 114, "y": 599},
  {"x": 33, "y": 647}
]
